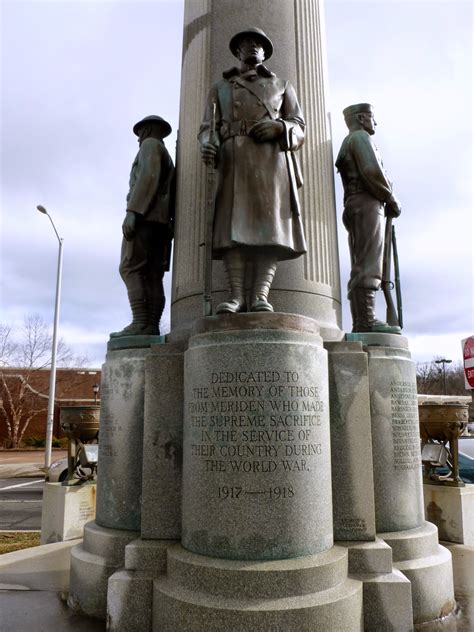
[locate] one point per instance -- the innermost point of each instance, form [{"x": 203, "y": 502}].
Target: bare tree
[
  {"x": 23, "y": 354},
  {"x": 430, "y": 378}
]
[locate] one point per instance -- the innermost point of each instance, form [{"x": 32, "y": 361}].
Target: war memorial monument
[{"x": 269, "y": 475}]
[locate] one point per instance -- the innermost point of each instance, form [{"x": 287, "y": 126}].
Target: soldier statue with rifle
[
  {"x": 252, "y": 126},
  {"x": 147, "y": 228},
  {"x": 368, "y": 197}
]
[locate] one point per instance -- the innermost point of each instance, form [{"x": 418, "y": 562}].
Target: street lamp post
[
  {"x": 52, "y": 379},
  {"x": 444, "y": 362}
]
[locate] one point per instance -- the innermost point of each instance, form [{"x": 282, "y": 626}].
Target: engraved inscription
[
  {"x": 406, "y": 434},
  {"x": 248, "y": 422},
  {"x": 353, "y": 525}
]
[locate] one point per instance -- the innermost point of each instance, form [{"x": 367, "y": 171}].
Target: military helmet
[
  {"x": 165, "y": 126},
  {"x": 358, "y": 108},
  {"x": 258, "y": 34}
]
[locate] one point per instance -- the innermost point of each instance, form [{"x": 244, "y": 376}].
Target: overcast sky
[{"x": 76, "y": 76}]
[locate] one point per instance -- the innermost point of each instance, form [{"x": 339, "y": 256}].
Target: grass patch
[{"x": 16, "y": 540}]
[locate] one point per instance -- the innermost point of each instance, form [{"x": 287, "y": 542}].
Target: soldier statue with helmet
[{"x": 147, "y": 228}]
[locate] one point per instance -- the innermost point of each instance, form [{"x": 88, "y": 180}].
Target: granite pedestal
[
  {"x": 119, "y": 480},
  {"x": 130, "y": 589},
  {"x": 257, "y": 541},
  {"x": 451, "y": 509},
  {"x": 66, "y": 510},
  {"x": 398, "y": 490}
]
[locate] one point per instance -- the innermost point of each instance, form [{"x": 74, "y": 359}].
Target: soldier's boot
[
  {"x": 234, "y": 266},
  {"x": 367, "y": 321},
  {"x": 354, "y": 313},
  {"x": 264, "y": 271},
  {"x": 140, "y": 317},
  {"x": 155, "y": 311}
]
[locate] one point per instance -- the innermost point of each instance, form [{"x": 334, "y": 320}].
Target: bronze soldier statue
[
  {"x": 368, "y": 196},
  {"x": 259, "y": 126},
  {"x": 147, "y": 228}
]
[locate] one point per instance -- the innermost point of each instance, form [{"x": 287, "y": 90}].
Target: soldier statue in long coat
[
  {"x": 259, "y": 126},
  {"x": 147, "y": 230},
  {"x": 368, "y": 196}
]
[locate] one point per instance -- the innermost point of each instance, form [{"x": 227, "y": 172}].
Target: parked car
[{"x": 88, "y": 453}]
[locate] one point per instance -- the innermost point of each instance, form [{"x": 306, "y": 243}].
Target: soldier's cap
[
  {"x": 165, "y": 126},
  {"x": 258, "y": 34},
  {"x": 358, "y": 108}
]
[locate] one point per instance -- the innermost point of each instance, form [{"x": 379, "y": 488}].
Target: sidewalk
[
  {"x": 25, "y": 463},
  {"x": 33, "y": 587}
]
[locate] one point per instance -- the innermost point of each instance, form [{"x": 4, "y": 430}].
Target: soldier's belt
[{"x": 236, "y": 128}]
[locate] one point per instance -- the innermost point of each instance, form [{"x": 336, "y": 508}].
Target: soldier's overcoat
[
  {"x": 366, "y": 190},
  {"x": 256, "y": 200}
]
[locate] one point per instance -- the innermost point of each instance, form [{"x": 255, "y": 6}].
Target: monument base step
[
  {"x": 428, "y": 566},
  {"x": 92, "y": 563},
  {"x": 308, "y": 593},
  {"x": 387, "y": 602},
  {"x": 129, "y": 601},
  {"x": 369, "y": 557}
]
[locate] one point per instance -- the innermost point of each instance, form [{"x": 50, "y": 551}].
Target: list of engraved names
[{"x": 406, "y": 434}]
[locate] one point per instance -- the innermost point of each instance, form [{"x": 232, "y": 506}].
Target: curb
[{"x": 21, "y": 470}]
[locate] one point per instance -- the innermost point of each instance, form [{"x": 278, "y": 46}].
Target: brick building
[{"x": 27, "y": 390}]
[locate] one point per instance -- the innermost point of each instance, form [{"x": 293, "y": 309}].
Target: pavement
[{"x": 34, "y": 582}]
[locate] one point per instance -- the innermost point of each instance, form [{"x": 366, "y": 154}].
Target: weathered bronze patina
[
  {"x": 259, "y": 126},
  {"x": 368, "y": 196},
  {"x": 147, "y": 228},
  {"x": 442, "y": 422}
]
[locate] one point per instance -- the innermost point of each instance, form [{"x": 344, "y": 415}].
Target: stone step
[
  {"x": 108, "y": 543},
  {"x": 89, "y": 569},
  {"x": 387, "y": 601},
  {"x": 265, "y": 579},
  {"x": 369, "y": 557},
  {"x": 432, "y": 587},
  {"x": 180, "y": 608},
  {"x": 412, "y": 544},
  {"x": 147, "y": 555}
]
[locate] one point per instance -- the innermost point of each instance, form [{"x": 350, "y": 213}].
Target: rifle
[
  {"x": 387, "y": 284},
  {"x": 210, "y": 184},
  {"x": 398, "y": 288}
]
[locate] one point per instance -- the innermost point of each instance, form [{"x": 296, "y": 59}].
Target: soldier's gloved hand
[
  {"x": 266, "y": 130},
  {"x": 393, "y": 208},
  {"x": 129, "y": 225},
  {"x": 209, "y": 153}
]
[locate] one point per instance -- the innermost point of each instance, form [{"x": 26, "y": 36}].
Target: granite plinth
[
  {"x": 65, "y": 511},
  {"x": 387, "y": 592},
  {"x": 451, "y": 509},
  {"x": 100, "y": 555},
  {"x": 147, "y": 555},
  {"x": 428, "y": 566},
  {"x": 200, "y": 593},
  {"x": 351, "y": 442},
  {"x": 134, "y": 342},
  {"x": 162, "y": 443},
  {"x": 387, "y": 602},
  {"x": 119, "y": 479},
  {"x": 369, "y": 557},
  {"x": 395, "y": 432},
  {"x": 256, "y": 462},
  {"x": 124, "y": 589}
]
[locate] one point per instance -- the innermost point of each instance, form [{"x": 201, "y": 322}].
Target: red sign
[{"x": 468, "y": 354}]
